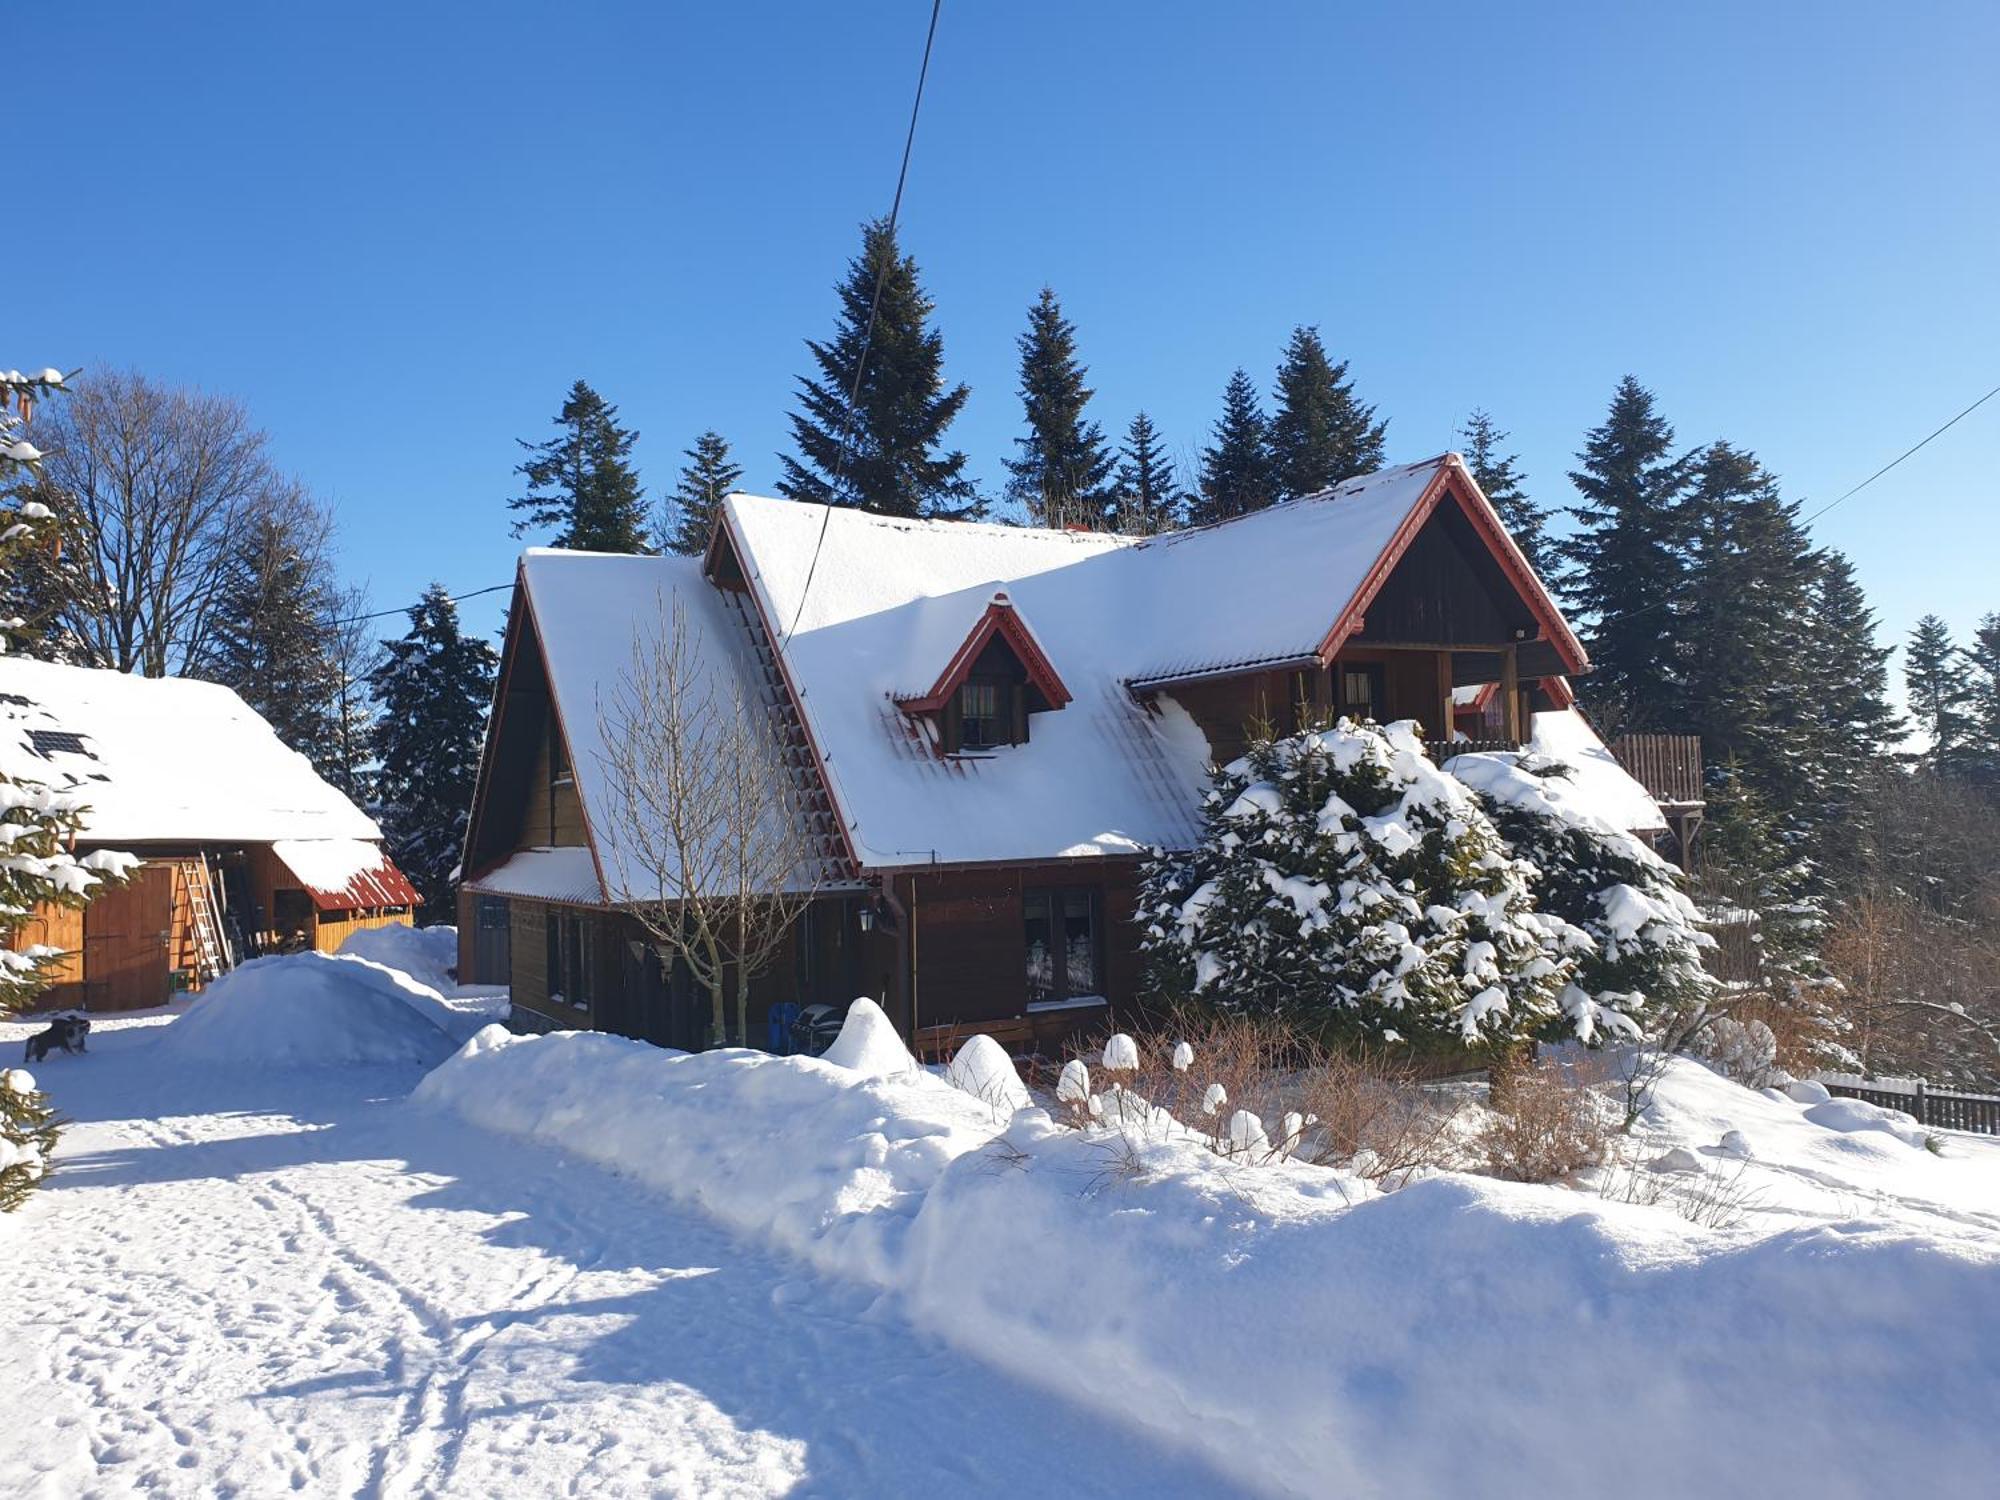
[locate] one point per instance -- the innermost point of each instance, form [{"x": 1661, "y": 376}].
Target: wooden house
[
  {"x": 245, "y": 849},
  {"x": 989, "y": 726}
]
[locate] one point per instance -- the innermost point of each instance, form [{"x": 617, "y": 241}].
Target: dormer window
[{"x": 998, "y": 677}]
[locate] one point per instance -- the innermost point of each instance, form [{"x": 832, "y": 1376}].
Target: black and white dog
[{"x": 67, "y": 1032}]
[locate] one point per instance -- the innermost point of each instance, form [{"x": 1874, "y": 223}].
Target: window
[
  {"x": 571, "y": 957},
  {"x": 1361, "y": 691},
  {"x": 979, "y": 726},
  {"x": 559, "y": 770},
  {"x": 1062, "y": 947}
]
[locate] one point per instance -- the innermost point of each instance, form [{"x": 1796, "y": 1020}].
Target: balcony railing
[{"x": 1667, "y": 765}]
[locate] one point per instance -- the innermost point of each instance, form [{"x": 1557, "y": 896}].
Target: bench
[{"x": 941, "y": 1043}]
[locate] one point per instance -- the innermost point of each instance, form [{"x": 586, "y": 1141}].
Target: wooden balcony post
[{"x": 1510, "y": 694}]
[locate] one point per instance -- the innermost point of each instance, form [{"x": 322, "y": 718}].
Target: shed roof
[{"x": 164, "y": 760}]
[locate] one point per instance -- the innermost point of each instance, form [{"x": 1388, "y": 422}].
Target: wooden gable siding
[
  {"x": 519, "y": 805},
  {"x": 1447, "y": 590}
]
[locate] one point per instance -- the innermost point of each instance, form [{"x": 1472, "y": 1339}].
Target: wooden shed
[{"x": 246, "y": 850}]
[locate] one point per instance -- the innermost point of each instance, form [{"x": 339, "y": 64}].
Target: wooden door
[{"x": 127, "y": 934}]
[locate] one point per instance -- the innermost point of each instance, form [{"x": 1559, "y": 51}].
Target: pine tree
[
  {"x": 1854, "y": 725},
  {"x": 1626, "y": 563},
  {"x": 707, "y": 476},
  {"x": 40, "y": 820},
  {"x": 1983, "y": 703},
  {"x": 267, "y": 636},
  {"x": 581, "y": 482},
  {"x": 434, "y": 686},
  {"x": 42, "y": 581},
  {"x": 1061, "y": 477},
  {"x": 879, "y": 451},
  {"x": 1320, "y": 434},
  {"x": 1499, "y": 477},
  {"x": 1939, "y": 688},
  {"x": 1236, "y": 471},
  {"x": 1149, "y": 499},
  {"x": 1342, "y": 882}
]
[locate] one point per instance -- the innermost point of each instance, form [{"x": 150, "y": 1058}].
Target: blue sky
[{"x": 398, "y": 232}]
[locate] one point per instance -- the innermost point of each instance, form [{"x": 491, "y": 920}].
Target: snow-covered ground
[
  {"x": 259, "y": 1282},
  {"x": 579, "y": 1264}
]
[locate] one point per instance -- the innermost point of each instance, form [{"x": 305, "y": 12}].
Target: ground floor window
[
  {"x": 1064, "y": 962},
  {"x": 492, "y": 938},
  {"x": 571, "y": 956}
]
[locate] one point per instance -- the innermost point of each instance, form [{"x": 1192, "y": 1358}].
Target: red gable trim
[
  {"x": 1003, "y": 620},
  {"x": 1452, "y": 480}
]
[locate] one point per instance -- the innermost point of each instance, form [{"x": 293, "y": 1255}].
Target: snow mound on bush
[
  {"x": 427, "y": 954},
  {"x": 869, "y": 1044},
  {"x": 984, "y": 1070},
  {"x": 313, "y": 1010}
]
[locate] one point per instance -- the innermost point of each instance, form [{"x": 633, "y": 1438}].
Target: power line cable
[
  {"x": 1906, "y": 453},
  {"x": 874, "y": 308}
]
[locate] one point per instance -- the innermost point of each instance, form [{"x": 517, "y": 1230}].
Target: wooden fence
[
  {"x": 1667, "y": 765},
  {"x": 1978, "y": 1113}
]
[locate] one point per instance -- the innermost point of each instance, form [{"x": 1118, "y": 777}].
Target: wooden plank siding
[{"x": 56, "y": 927}]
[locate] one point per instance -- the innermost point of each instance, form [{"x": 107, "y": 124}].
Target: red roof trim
[
  {"x": 1003, "y": 620},
  {"x": 1453, "y": 480}
]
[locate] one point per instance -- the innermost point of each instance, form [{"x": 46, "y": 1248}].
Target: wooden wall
[
  {"x": 334, "y": 927},
  {"x": 57, "y": 927},
  {"x": 971, "y": 937}
]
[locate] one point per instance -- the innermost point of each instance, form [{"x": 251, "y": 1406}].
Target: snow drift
[
  {"x": 313, "y": 1010},
  {"x": 427, "y": 954},
  {"x": 1307, "y": 1334}
]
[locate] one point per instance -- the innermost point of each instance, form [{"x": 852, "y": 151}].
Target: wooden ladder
[
  {"x": 795, "y": 751},
  {"x": 211, "y": 945}
]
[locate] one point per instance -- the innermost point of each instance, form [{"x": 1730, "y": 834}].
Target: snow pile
[
  {"x": 312, "y": 1010},
  {"x": 869, "y": 1044},
  {"x": 1310, "y": 1335},
  {"x": 427, "y": 954},
  {"x": 983, "y": 1069}
]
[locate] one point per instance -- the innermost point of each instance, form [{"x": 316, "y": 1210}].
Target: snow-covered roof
[
  {"x": 345, "y": 874},
  {"x": 871, "y": 613},
  {"x": 560, "y": 874},
  {"x": 590, "y": 609},
  {"x": 164, "y": 760},
  {"x": 1597, "y": 792}
]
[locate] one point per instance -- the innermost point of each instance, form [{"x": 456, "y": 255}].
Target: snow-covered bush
[
  {"x": 1346, "y": 883},
  {"x": 1641, "y": 969},
  {"x": 1745, "y": 1050},
  {"x": 27, "y": 1136}
]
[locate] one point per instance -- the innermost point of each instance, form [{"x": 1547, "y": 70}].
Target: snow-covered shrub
[
  {"x": 1745, "y": 1050},
  {"x": 1547, "y": 1122},
  {"x": 1343, "y": 882},
  {"x": 28, "y": 1132},
  {"x": 1641, "y": 969}
]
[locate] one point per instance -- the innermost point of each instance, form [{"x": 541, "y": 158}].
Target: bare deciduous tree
[
  {"x": 707, "y": 844},
  {"x": 159, "y": 480}
]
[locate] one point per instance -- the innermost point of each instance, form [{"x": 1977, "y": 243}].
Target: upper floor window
[
  {"x": 981, "y": 720},
  {"x": 559, "y": 769}
]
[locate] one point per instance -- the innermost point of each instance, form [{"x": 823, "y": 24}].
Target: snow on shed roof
[
  {"x": 164, "y": 760},
  {"x": 345, "y": 874}
]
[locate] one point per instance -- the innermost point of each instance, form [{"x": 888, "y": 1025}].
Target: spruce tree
[
  {"x": 1342, "y": 882},
  {"x": 42, "y": 582},
  {"x": 1499, "y": 476},
  {"x": 1854, "y": 725},
  {"x": 879, "y": 450},
  {"x": 1983, "y": 703},
  {"x": 39, "y": 817},
  {"x": 1626, "y": 563},
  {"x": 1938, "y": 684},
  {"x": 689, "y": 513},
  {"x": 1236, "y": 471},
  {"x": 1061, "y": 477},
  {"x": 1149, "y": 498},
  {"x": 434, "y": 686},
  {"x": 581, "y": 481},
  {"x": 268, "y": 640},
  {"x": 1319, "y": 433}
]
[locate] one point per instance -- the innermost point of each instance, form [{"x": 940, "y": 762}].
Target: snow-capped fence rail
[{"x": 1947, "y": 1110}]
